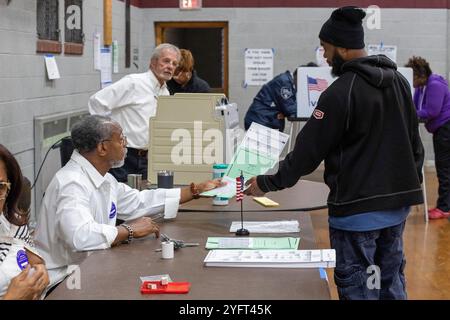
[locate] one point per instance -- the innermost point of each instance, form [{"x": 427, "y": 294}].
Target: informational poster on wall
[
  {"x": 105, "y": 66},
  {"x": 52, "y": 67},
  {"x": 311, "y": 82},
  {"x": 388, "y": 51},
  {"x": 258, "y": 66},
  {"x": 115, "y": 55},
  {"x": 97, "y": 49}
]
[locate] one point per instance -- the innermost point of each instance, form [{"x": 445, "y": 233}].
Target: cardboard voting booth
[
  {"x": 312, "y": 81},
  {"x": 189, "y": 133}
]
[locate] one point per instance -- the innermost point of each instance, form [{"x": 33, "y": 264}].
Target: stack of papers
[
  {"x": 258, "y": 152},
  {"x": 252, "y": 243},
  {"x": 325, "y": 258},
  {"x": 283, "y": 226}
]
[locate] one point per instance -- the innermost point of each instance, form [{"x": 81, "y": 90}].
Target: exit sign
[{"x": 190, "y": 4}]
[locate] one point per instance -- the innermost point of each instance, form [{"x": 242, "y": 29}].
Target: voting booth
[
  {"x": 189, "y": 133},
  {"x": 312, "y": 81}
]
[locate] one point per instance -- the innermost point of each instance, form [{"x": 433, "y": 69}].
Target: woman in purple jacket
[{"x": 432, "y": 100}]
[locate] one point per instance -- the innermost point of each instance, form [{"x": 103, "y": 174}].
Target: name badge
[
  {"x": 22, "y": 259},
  {"x": 113, "y": 211}
]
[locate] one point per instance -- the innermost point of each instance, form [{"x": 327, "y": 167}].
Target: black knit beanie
[{"x": 344, "y": 28}]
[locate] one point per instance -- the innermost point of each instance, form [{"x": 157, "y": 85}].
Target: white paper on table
[
  {"x": 322, "y": 258},
  {"x": 155, "y": 278},
  {"x": 51, "y": 66},
  {"x": 284, "y": 226},
  {"x": 97, "y": 61},
  {"x": 105, "y": 67}
]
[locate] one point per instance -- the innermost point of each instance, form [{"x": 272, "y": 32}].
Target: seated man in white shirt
[
  {"x": 132, "y": 101},
  {"x": 83, "y": 200}
]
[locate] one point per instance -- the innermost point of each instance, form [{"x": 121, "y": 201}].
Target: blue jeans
[{"x": 359, "y": 254}]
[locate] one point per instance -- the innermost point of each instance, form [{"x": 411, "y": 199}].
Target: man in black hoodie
[{"x": 365, "y": 128}]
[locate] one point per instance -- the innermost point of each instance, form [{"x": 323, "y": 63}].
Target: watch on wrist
[
  {"x": 130, "y": 232},
  {"x": 194, "y": 190}
]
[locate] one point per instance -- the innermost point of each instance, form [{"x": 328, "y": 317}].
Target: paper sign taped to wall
[{"x": 51, "y": 66}]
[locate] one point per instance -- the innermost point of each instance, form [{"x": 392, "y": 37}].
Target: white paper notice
[
  {"x": 115, "y": 56},
  {"x": 105, "y": 71},
  {"x": 258, "y": 66},
  {"x": 52, "y": 67},
  {"x": 97, "y": 51},
  {"x": 388, "y": 51}
]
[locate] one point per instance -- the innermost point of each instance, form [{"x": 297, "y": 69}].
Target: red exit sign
[{"x": 190, "y": 4}]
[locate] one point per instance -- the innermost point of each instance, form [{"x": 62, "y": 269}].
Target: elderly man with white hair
[{"x": 131, "y": 101}]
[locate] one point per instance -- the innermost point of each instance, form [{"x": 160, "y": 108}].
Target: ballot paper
[
  {"x": 258, "y": 152},
  {"x": 325, "y": 258},
  {"x": 283, "y": 226},
  {"x": 289, "y": 243}
]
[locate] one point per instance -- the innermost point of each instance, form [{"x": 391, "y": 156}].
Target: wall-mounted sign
[
  {"x": 258, "y": 66},
  {"x": 190, "y": 4}
]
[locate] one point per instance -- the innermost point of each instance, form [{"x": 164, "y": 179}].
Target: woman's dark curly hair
[
  {"x": 420, "y": 66},
  {"x": 14, "y": 174}
]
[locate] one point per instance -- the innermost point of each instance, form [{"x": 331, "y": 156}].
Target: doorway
[{"x": 208, "y": 42}]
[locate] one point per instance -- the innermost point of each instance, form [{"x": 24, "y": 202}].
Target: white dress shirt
[
  {"x": 79, "y": 212},
  {"x": 131, "y": 102},
  {"x": 13, "y": 256}
]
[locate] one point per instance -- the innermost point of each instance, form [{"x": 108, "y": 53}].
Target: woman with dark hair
[
  {"x": 432, "y": 100},
  {"x": 23, "y": 275},
  {"x": 185, "y": 78}
]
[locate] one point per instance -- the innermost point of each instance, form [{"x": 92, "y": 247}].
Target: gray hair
[
  {"x": 90, "y": 131},
  {"x": 165, "y": 46}
]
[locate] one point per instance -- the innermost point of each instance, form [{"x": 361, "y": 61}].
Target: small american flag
[
  {"x": 239, "y": 188},
  {"x": 317, "y": 84}
]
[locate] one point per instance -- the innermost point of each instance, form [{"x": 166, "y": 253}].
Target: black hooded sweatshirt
[{"x": 366, "y": 129}]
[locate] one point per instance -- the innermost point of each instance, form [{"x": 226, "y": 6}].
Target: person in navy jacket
[{"x": 275, "y": 101}]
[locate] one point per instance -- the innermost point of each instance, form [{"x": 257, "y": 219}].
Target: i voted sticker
[
  {"x": 113, "y": 211},
  {"x": 22, "y": 259}
]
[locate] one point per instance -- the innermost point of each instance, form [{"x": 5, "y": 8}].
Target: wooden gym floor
[{"x": 427, "y": 247}]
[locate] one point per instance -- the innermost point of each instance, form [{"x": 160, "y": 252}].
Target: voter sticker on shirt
[
  {"x": 22, "y": 259},
  {"x": 113, "y": 211},
  {"x": 286, "y": 93}
]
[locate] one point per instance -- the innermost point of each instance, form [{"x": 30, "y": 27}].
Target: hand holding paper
[{"x": 253, "y": 188}]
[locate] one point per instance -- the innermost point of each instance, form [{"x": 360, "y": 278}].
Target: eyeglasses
[
  {"x": 123, "y": 140},
  {"x": 4, "y": 187}
]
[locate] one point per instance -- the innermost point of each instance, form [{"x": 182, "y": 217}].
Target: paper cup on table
[{"x": 167, "y": 250}]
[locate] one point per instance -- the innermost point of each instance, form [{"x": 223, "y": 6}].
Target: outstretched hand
[
  {"x": 210, "y": 184},
  {"x": 253, "y": 188}
]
